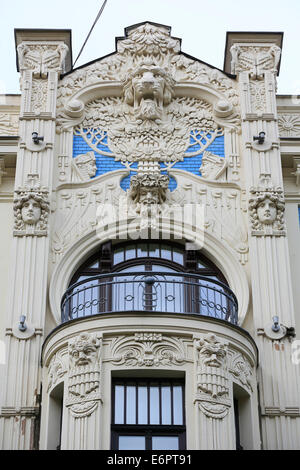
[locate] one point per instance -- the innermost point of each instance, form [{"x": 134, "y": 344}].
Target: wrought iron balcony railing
[{"x": 149, "y": 292}]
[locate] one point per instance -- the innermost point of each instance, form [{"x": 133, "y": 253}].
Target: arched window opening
[{"x": 148, "y": 276}]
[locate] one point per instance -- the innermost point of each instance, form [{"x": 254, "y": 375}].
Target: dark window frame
[{"x": 148, "y": 430}]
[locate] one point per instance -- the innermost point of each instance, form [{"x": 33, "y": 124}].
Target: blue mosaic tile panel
[{"x": 106, "y": 163}]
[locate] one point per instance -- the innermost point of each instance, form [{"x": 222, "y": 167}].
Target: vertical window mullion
[
  {"x": 160, "y": 403},
  {"x": 125, "y": 403},
  {"x": 172, "y": 404}
]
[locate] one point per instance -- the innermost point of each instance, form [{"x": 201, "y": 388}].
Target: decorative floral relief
[
  {"x": 258, "y": 96},
  {"x": 255, "y": 59},
  {"x": 149, "y": 43},
  {"x": 9, "y": 124},
  {"x": 142, "y": 350},
  {"x": 57, "y": 369},
  {"x": 39, "y": 96},
  {"x": 241, "y": 369},
  {"x": 289, "y": 125},
  {"x": 41, "y": 58}
]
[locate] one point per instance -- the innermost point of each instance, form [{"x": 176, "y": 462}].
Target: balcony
[{"x": 151, "y": 292}]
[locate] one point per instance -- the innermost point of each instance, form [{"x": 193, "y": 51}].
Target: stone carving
[
  {"x": 110, "y": 127},
  {"x": 148, "y": 186},
  {"x": 289, "y": 125},
  {"x": 255, "y": 59},
  {"x": 241, "y": 370},
  {"x": 57, "y": 369},
  {"x": 84, "y": 167},
  {"x": 148, "y": 350},
  {"x": 149, "y": 39},
  {"x": 39, "y": 96},
  {"x": 42, "y": 57},
  {"x": 9, "y": 124},
  {"x": 31, "y": 211},
  {"x": 84, "y": 374},
  {"x": 212, "y": 376},
  {"x": 212, "y": 166},
  {"x": 266, "y": 209},
  {"x": 258, "y": 95},
  {"x": 148, "y": 88}
]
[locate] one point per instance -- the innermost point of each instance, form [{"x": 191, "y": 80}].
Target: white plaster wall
[
  {"x": 293, "y": 230},
  {"x": 6, "y": 215}
]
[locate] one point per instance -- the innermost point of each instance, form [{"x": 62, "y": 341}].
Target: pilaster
[
  {"x": 40, "y": 64},
  {"x": 256, "y": 64}
]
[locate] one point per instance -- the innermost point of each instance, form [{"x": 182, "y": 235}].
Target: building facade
[{"x": 150, "y": 252}]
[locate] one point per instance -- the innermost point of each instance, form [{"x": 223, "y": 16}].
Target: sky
[{"x": 202, "y": 25}]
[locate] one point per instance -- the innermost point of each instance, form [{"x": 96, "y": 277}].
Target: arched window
[{"x": 148, "y": 276}]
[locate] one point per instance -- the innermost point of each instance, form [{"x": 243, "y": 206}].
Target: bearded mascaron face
[
  {"x": 267, "y": 211},
  {"x": 31, "y": 212},
  {"x": 84, "y": 354}
]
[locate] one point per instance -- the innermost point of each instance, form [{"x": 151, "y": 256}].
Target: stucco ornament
[
  {"x": 31, "y": 211},
  {"x": 212, "y": 166},
  {"x": 42, "y": 57},
  {"x": 289, "y": 125},
  {"x": 266, "y": 209},
  {"x": 84, "y": 167},
  {"x": 9, "y": 124},
  {"x": 84, "y": 374},
  {"x": 57, "y": 369},
  {"x": 212, "y": 376},
  {"x": 148, "y": 88},
  {"x": 148, "y": 350},
  {"x": 255, "y": 59}
]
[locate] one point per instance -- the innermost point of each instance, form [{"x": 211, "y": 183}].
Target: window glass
[
  {"x": 154, "y": 405},
  {"x": 178, "y": 257},
  {"x": 154, "y": 251},
  {"x": 166, "y": 404},
  {"x": 132, "y": 443},
  {"x": 177, "y": 405},
  {"x": 119, "y": 256},
  {"x": 130, "y": 404},
  {"x": 142, "y": 250},
  {"x": 142, "y": 405},
  {"x": 119, "y": 404},
  {"x": 165, "y": 443},
  {"x": 130, "y": 252},
  {"x": 166, "y": 252}
]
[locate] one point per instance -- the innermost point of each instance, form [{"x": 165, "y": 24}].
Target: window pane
[
  {"x": 95, "y": 264},
  {"x": 119, "y": 404},
  {"x": 166, "y": 253},
  {"x": 178, "y": 257},
  {"x": 142, "y": 251},
  {"x": 131, "y": 405},
  {"x": 165, "y": 443},
  {"x": 177, "y": 405},
  {"x": 154, "y": 405},
  {"x": 132, "y": 443},
  {"x": 130, "y": 252},
  {"x": 143, "y": 405},
  {"x": 166, "y": 404},
  {"x": 154, "y": 251},
  {"x": 119, "y": 256}
]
